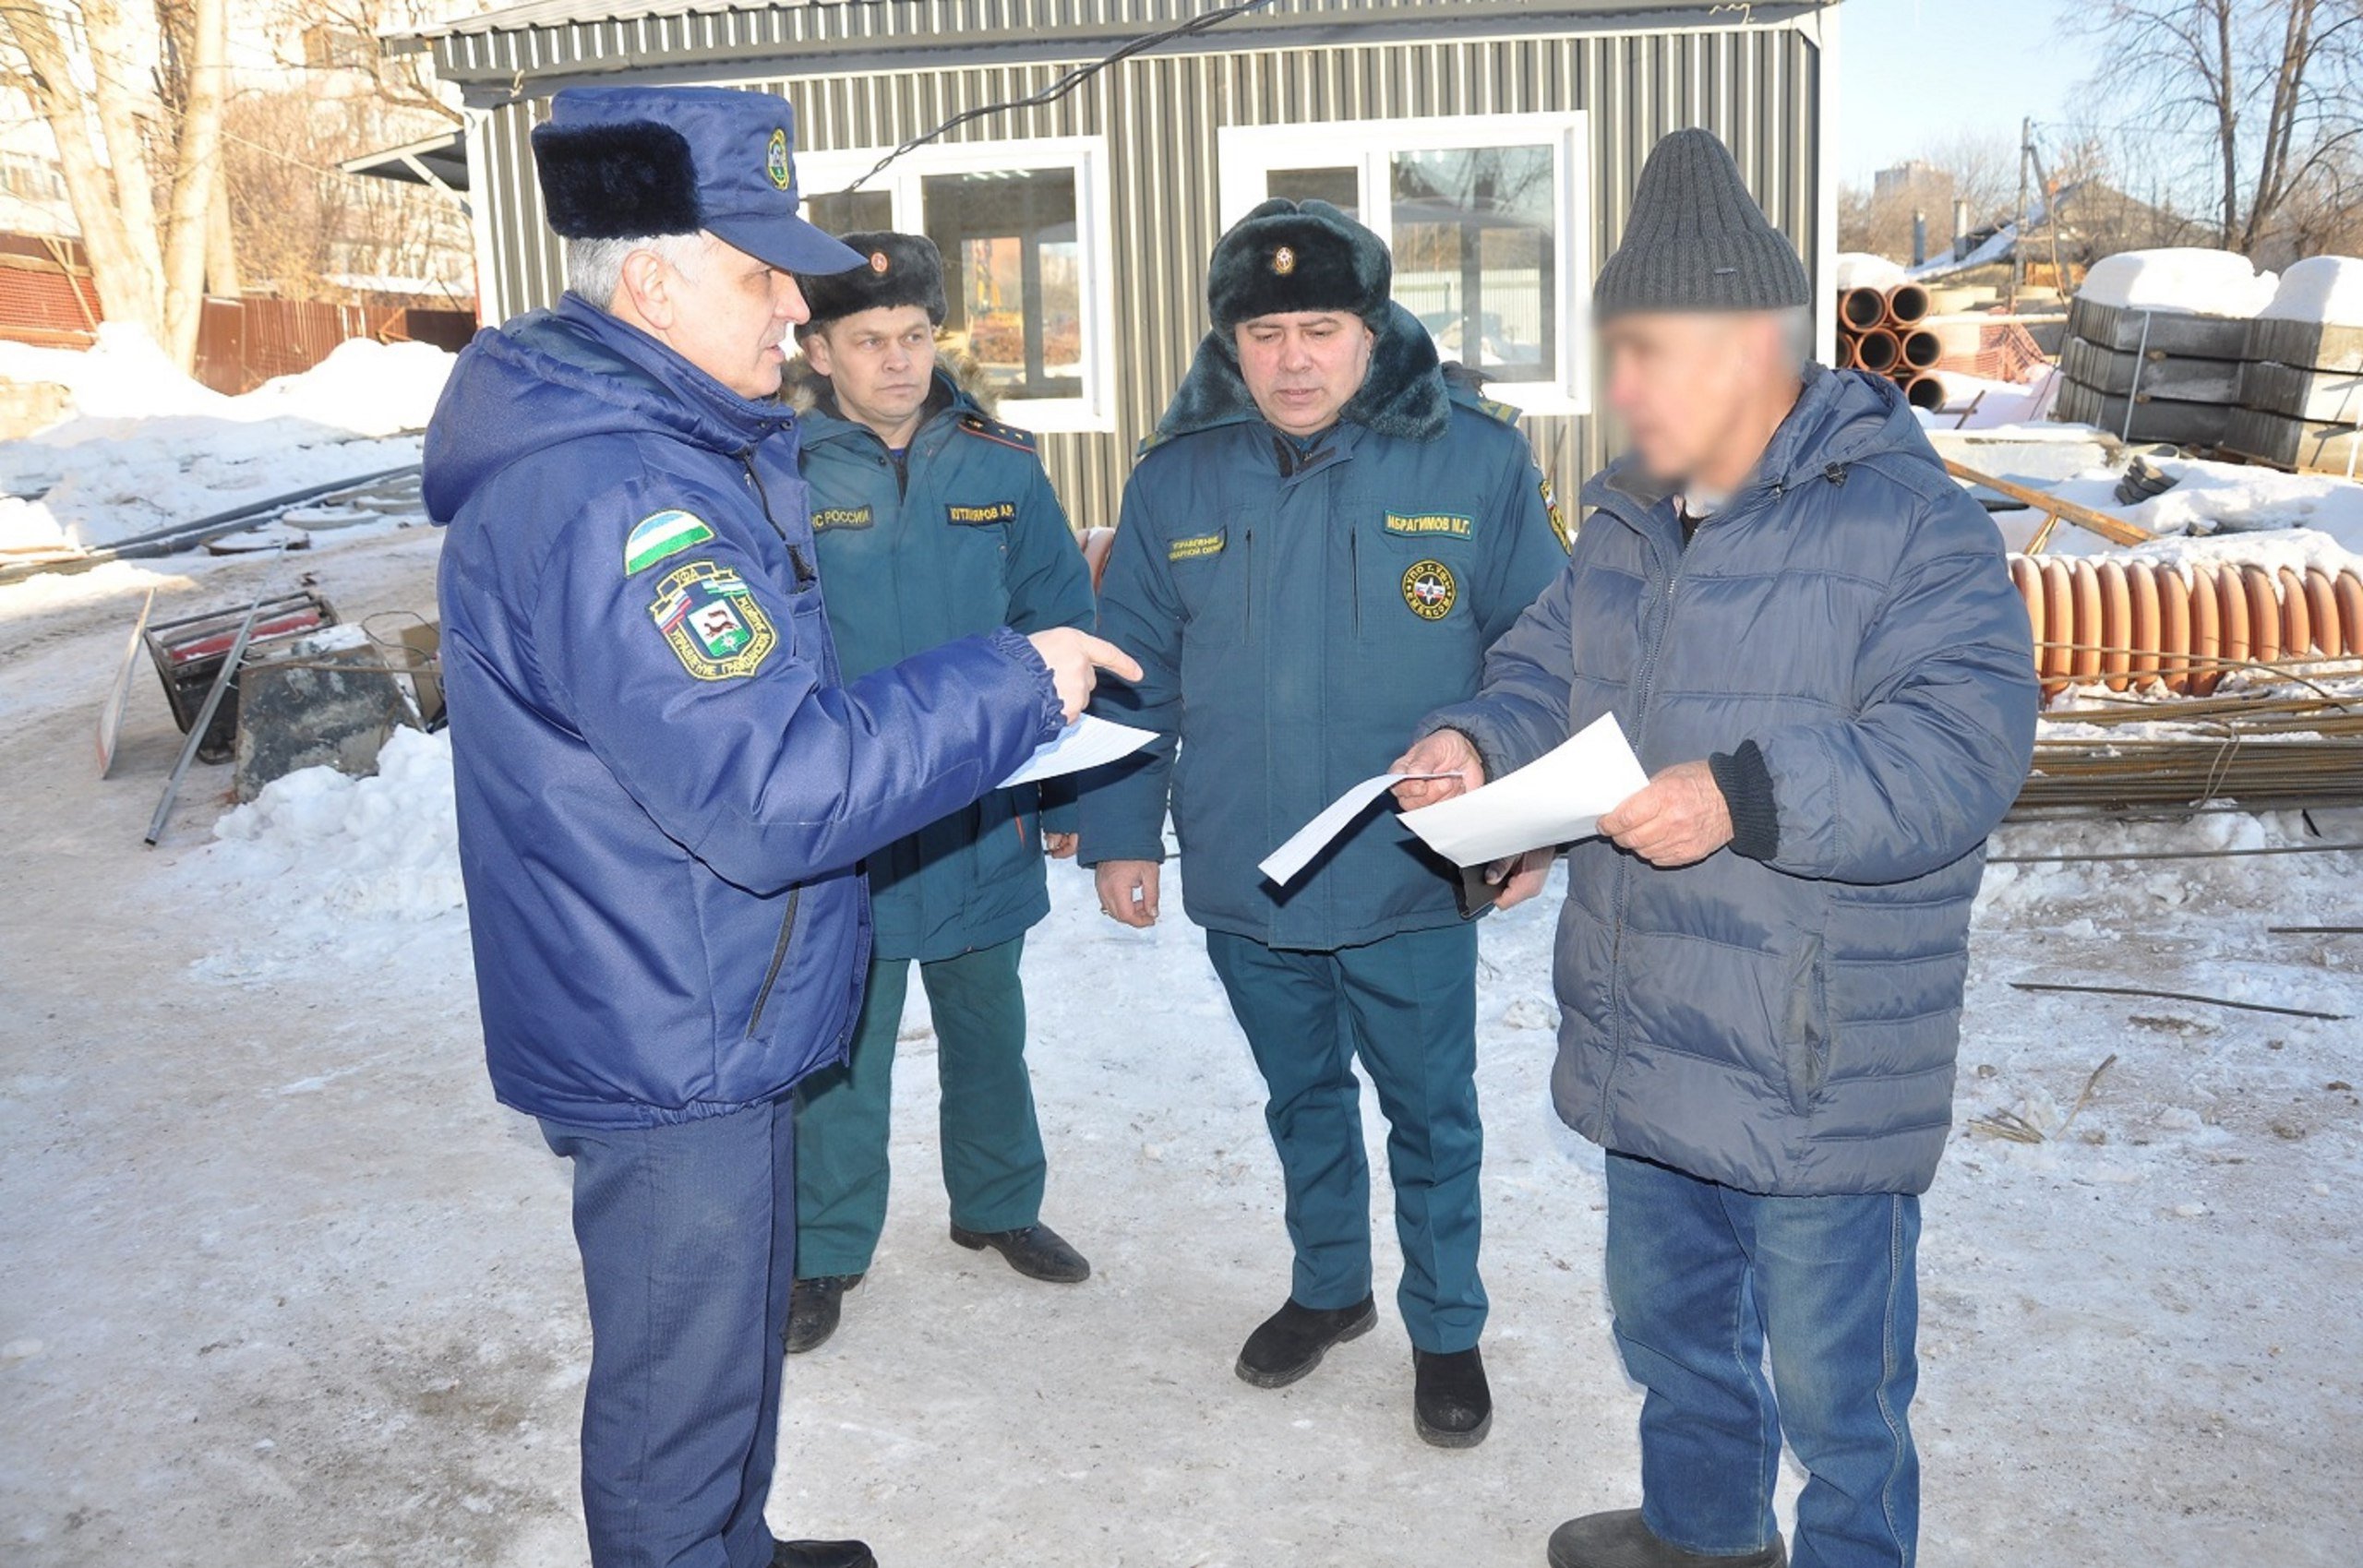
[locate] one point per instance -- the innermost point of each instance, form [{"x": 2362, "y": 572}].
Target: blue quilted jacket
[
  {"x": 1784, "y": 1024},
  {"x": 665, "y": 788}
]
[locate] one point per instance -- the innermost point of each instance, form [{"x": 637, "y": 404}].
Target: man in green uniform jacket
[
  {"x": 932, "y": 522},
  {"x": 1318, "y": 546}
]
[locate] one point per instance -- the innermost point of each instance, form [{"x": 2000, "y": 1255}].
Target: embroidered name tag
[
  {"x": 1204, "y": 544},
  {"x": 992, "y": 511},
  {"x": 841, "y": 517},
  {"x": 1427, "y": 524}
]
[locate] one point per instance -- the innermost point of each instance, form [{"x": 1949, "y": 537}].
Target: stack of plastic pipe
[
  {"x": 1882, "y": 330},
  {"x": 2136, "y": 624}
]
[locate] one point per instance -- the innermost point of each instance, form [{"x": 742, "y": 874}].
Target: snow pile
[
  {"x": 386, "y": 848},
  {"x": 2216, "y": 509},
  {"x": 123, "y": 375},
  {"x": 2324, "y": 289},
  {"x": 144, "y": 447},
  {"x": 1860, "y": 269},
  {"x": 2189, "y": 280},
  {"x": 369, "y": 388}
]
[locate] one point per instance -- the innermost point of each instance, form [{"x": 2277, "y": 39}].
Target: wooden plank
[
  {"x": 2115, "y": 530},
  {"x": 119, "y": 690}
]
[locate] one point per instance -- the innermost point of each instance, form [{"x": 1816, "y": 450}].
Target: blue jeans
[
  {"x": 687, "y": 1234},
  {"x": 1702, "y": 1279},
  {"x": 1406, "y": 1006}
]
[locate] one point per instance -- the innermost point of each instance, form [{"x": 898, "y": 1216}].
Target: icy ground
[{"x": 284, "y": 1287}]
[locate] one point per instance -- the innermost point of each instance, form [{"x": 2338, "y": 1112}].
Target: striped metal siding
[{"x": 1759, "y": 88}]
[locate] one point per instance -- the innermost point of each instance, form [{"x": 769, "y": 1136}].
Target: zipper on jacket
[
  {"x": 1247, "y": 552},
  {"x": 1354, "y": 567},
  {"x": 779, "y": 957},
  {"x": 806, "y": 573},
  {"x": 1624, "y": 865}
]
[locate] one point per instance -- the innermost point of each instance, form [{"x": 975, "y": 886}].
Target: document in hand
[
  {"x": 1556, "y": 798},
  {"x": 1087, "y": 743},
  {"x": 1284, "y": 864}
]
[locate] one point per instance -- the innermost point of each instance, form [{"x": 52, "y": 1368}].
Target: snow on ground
[
  {"x": 143, "y": 445},
  {"x": 2218, "y": 511},
  {"x": 2327, "y": 288},
  {"x": 2185, "y": 279},
  {"x": 286, "y": 1287}
]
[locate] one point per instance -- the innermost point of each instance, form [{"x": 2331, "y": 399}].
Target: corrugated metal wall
[{"x": 1757, "y": 87}]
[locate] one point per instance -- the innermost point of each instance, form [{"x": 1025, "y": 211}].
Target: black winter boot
[
  {"x": 1623, "y": 1540},
  {"x": 822, "y": 1554},
  {"x": 1291, "y": 1342},
  {"x": 1452, "y": 1404},
  {"x": 1035, "y": 1251},
  {"x": 814, "y": 1309}
]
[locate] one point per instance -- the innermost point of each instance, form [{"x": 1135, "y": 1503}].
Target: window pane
[
  {"x": 862, "y": 211},
  {"x": 1339, "y": 187},
  {"x": 1475, "y": 256},
  {"x": 1012, "y": 274}
]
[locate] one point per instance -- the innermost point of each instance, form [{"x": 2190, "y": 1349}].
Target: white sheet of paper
[
  {"x": 1284, "y": 864},
  {"x": 1559, "y": 798},
  {"x": 1087, "y": 743}
]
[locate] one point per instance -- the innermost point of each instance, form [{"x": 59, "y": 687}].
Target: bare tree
[
  {"x": 99, "y": 79},
  {"x": 2269, "y": 91}
]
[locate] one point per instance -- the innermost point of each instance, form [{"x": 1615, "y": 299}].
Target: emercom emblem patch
[
  {"x": 1196, "y": 549},
  {"x": 777, "y": 164},
  {"x": 1558, "y": 519},
  {"x": 1451, "y": 525},
  {"x": 660, "y": 535},
  {"x": 711, "y": 621},
  {"x": 1429, "y": 588}
]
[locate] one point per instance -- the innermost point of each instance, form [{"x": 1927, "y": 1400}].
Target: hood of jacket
[
  {"x": 552, "y": 377},
  {"x": 1404, "y": 395},
  {"x": 1840, "y": 417}
]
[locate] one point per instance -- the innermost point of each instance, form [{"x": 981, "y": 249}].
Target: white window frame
[
  {"x": 1248, "y": 153},
  {"x": 829, "y": 173}
]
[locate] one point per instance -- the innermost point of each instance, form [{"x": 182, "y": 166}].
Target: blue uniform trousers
[
  {"x": 1406, "y": 1006},
  {"x": 1702, "y": 1279},
  {"x": 688, "y": 1233}
]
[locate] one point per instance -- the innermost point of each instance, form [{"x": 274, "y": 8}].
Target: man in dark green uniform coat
[
  {"x": 932, "y": 522},
  {"x": 1318, "y": 546}
]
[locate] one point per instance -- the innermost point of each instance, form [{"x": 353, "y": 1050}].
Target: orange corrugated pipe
[{"x": 2131, "y": 625}]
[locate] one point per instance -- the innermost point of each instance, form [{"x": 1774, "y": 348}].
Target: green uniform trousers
[
  {"x": 993, "y": 1166},
  {"x": 1407, "y": 1005}
]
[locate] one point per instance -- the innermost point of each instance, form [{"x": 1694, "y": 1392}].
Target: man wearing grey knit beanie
[{"x": 1806, "y": 630}]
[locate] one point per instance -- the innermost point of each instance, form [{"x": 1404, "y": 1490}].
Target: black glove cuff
[{"x": 1747, "y": 783}]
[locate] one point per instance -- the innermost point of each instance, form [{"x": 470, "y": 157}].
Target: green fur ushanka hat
[
  {"x": 902, "y": 270},
  {"x": 1298, "y": 255}
]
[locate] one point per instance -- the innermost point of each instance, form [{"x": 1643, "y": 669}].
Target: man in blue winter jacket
[
  {"x": 933, "y": 522},
  {"x": 1320, "y": 544},
  {"x": 666, "y": 788},
  {"x": 1806, "y": 630}
]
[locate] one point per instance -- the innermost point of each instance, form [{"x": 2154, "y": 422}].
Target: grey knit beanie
[{"x": 1696, "y": 240}]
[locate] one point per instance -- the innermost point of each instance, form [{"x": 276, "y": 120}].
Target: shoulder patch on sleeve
[
  {"x": 660, "y": 535},
  {"x": 977, "y": 424},
  {"x": 1558, "y": 519},
  {"x": 710, "y": 619}
]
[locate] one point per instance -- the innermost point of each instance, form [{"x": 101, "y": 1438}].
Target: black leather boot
[
  {"x": 1623, "y": 1540},
  {"x": 822, "y": 1554},
  {"x": 1452, "y": 1404},
  {"x": 1291, "y": 1343},
  {"x": 814, "y": 1309},
  {"x": 1035, "y": 1251}
]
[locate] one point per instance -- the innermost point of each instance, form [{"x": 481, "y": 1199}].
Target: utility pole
[{"x": 2019, "y": 224}]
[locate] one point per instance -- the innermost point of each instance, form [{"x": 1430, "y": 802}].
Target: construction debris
[
  {"x": 1883, "y": 331},
  {"x": 191, "y": 651},
  {"x": 2147, "y": 994}
]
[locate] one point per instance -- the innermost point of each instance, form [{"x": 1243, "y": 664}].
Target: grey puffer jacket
[{"x": 1785, "y": 1024}]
